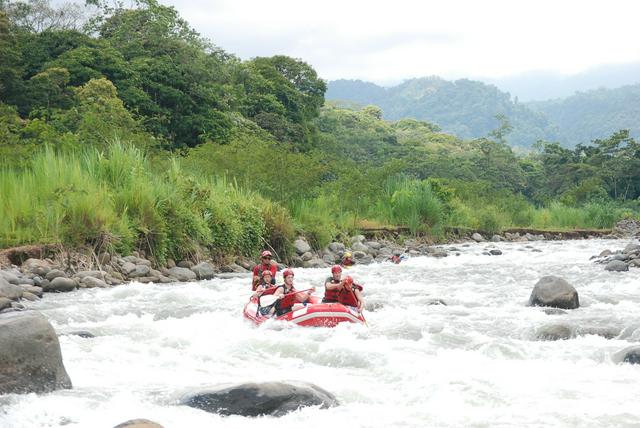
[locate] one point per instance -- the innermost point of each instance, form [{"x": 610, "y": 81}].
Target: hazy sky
[{"x": 387, "y": 41}]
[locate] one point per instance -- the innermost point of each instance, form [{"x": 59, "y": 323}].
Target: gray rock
[
  {"x": 616, "y": 266},
  {"x": 315, "y": 263},
  {"x": 61, "y": 284},
  {"x": 182, "y": 274},
  {"x": 477, "y": 237},
  {"x": 357, "y": 246},
  {"x": 555, "y": 332},
  {"x": 631, "y": 248},
  {"x": 630, "y": 355},
  {"x": 497, "y": 238},
  {"x": 10, "y": 277},
  {"x": 36, "y": 266},
  {"x": 605, "y": 253},
  {"x": 373, "y": 244},
  {"x": 91, "y": 282},
  {"x": 92, "y": 273},
  {"x": 233, "y": 267},
  {"x": 140, "y": 271},
  {"x": 128, "y": 267},
  {"x": 329, "y": 259},
  {"x": 29, "y": 296},
  {"x": 258, "y": 399},
  {"x": 555, "y": 292},
  {"x": 634, "y": 263},
  {"x": 336, "y": 247},
  {"x": 306, "y": 256},
  {"x": 186, "y": 264},
  {"x": 82, "y": 333},
  {"x": 55, "y": 273},
  {"x": 554, "y": 311},
  {"x": 147, "y": 279},
  {"x": 359, "y": 255},
  {"x": 358, "y": 238},
  {"x": 10, "y": 291},
  {"x": 104, "y": 258},
  {"x": 495, "y": 252},
  {"x": 204, "y": 270},
  {"x": 139, "y": 423},
  {"x": 30, "y": 357},
  {"x": 4, "y": 303},
  {"x": 301, "y": 246}
]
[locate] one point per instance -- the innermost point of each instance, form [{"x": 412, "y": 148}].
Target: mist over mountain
[
  {"x": 468, "y": 109},
  {"x": 541, "y": 85}
]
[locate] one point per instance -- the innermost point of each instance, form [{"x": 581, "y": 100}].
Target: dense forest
[
  {"x": 124, "y": 128},
  {"x": 468, "y": 109}
]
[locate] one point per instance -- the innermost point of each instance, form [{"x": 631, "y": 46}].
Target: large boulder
[
  {"x": 629, "y": 355},
  {"x": 301, "y": 246},
  {"x": 555, "y": 292},
  {"x": 36, "y": 266},
  {"x": 204, "y": 270},
  {"x": 30, "y": 358},
  {"x": 60, "y": 284},
  {"x": 257, "y": 399},
  {"x": 182, "y": 274}
]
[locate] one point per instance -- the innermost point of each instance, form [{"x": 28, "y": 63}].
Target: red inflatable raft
[{"x": 314, "y": 314}]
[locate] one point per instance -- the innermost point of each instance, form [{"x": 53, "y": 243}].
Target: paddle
[{"x": 270, "y": 299}]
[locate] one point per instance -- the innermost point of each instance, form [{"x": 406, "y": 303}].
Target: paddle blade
[{"x": 268, "y": 300}]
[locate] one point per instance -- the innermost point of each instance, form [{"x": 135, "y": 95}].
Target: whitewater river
[{"x": 472, "y": 363}]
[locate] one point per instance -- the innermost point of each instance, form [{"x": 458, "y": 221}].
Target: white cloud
[{"x": 389, "y": 41}]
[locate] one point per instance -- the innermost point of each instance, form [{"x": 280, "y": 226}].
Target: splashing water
[{"x": 473, "y": 362}]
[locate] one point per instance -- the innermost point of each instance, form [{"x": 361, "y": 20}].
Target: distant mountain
[
  {"x": 541, "y": 85},
  {"x": 586, "y": 116},
  {"x": 465, "y": 108},
  {"x": 468, "y": 109}
]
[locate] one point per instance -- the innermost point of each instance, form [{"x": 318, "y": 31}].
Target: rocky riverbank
[{"x": 28, "y": 272}]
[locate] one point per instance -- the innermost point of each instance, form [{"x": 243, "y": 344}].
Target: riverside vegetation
[{"x": 122, "y": 129}]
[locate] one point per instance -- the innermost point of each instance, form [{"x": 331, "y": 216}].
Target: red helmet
[
  {"x": 336, "y": 268},
  {"x": 267, "y": 272},
  {"x": 266, "y": 253},
  {"x": 287, "y": 272},
  {"x": 348, "y": 280}
]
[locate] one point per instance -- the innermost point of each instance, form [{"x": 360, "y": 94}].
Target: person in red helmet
[
  {"x": 266, "y": 264},
  {"x": 351, "y": 294},
  {"x": 288, "y": 295},
  {"x": 333, "y": 285},
  {"x": 267, "y": 281}
]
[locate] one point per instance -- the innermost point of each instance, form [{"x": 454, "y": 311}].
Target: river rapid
[{"x": 474, "y": 362}]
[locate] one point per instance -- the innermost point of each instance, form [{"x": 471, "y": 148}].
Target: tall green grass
[{"x": 114, "y": 200}]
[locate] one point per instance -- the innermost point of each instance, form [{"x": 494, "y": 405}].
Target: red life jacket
[
  {"x": 331, "y": 296},
  {"x": 257, "y": 271},
  {"x": 348, "y": 296}
]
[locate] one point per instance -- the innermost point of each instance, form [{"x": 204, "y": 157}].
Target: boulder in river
[
  {"x": 257, "y": 399},
  {"x": 629, "y": 355},
  {"x": 138, "y": 423},
  {"x": 204, "y": 270},
  {"x": 30, "y": 357},
  {"x": 555, "y": 292},
  {"x": 617, "y": 266},
  {"x": 555, "y": 332}
]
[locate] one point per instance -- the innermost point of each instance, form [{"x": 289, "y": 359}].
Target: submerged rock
[
  {"x": 138, "y": 423},
  {"x": 257, "y": 399},
  {"x": 555, "y": 292},
  {"x": 30, "y": 357},
  {"x": 555, "y": 332}
]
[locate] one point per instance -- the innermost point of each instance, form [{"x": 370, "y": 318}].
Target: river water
[{"x": 472, "y": 363}]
